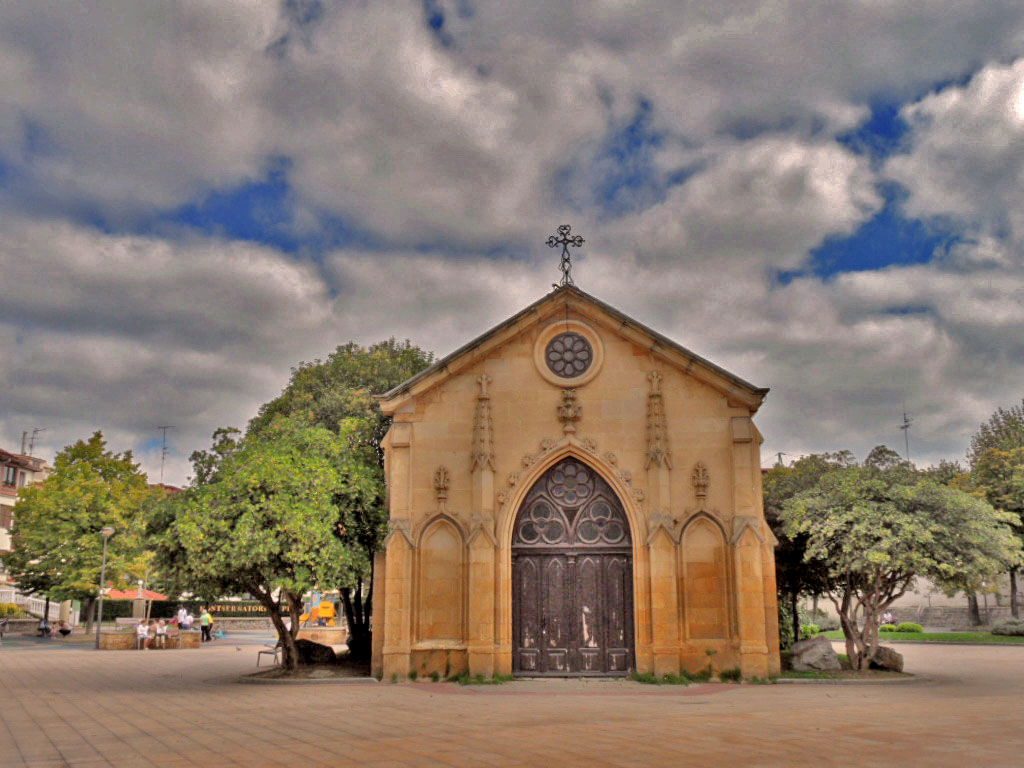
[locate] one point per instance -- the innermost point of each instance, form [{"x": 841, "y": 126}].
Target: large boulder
[
  {"x": 314, "y": 653},
  {"x": 815, "y": 653},
  {"x": 886, "y": 658}
]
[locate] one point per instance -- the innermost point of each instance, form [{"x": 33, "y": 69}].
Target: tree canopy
[
  {"x": 1004, "y": 431},
  {"x": 56, "y": 543},
  {"x": 878, "y": 525},
  {"x": 997, "y": 471},
  {"x": 264, "y": 522},
  {"x": 795, "y": 576},
  {"x": 337, "y": 394}
]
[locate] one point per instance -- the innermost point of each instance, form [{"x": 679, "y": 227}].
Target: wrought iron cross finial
[{"x": 565, "y": 238}]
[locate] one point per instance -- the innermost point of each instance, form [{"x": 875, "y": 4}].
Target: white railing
[{"x": 36, "y": 605}]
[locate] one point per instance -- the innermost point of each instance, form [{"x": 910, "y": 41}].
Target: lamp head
[{"x": 107, "y": 531}]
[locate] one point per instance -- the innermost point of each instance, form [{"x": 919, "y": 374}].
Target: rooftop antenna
[
  {"x": 565, "y": 238},
  {"x": 32, "y": 439},
  {"x": 905, "y": 426},
  {"x": 163, "y": 449}
]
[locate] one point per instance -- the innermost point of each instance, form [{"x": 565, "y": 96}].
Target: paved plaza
[{"x": 73, "y": 706}]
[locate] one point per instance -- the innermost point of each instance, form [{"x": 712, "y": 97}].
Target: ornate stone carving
[
  {"x": 547, "y": 444},
  {"x": 658, "y": 452},
  {"x": 569, "y": 411},
  {"x": 502, "y": 497},
  {"x": 513, "y": 478},
  {"x": 589, "y": 445},
  {"x": 626, "y": 476},
  {"x": 441, "y": 482},
  {"x": 639, "y": 495},
  {"x": 529, "y": 460},
  {"x": 700, "y": 479},
  {"x": 482, "y": 454},
  {"x": 611, "y": 458}
]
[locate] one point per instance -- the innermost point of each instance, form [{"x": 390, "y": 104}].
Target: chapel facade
[{"x": 573, "y": 494}]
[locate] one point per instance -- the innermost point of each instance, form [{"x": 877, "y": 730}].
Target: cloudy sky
[{"x": 823, "y": 197}]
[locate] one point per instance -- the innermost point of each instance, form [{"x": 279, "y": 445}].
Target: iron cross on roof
[{"x": 565, "y": 239}]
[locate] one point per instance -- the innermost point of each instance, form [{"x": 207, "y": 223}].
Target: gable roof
[{"x": 737, "y": 389}]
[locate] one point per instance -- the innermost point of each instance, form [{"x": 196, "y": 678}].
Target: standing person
[
  {"x": 187, "y": 622},
  {"x": 205, "y": 621},
  {"x": 182, "y": 613},
  {"x": 161, "y": 634},
  {"x": 142, "y": 635}
]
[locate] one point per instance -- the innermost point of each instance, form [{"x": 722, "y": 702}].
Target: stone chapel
[{"x": 570, "y": 494}]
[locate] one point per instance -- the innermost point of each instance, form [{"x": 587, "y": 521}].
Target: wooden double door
[{"x": 572, "y": 573}]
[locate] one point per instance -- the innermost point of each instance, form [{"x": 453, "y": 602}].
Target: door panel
[
  {"x": 555, "y": 628},
  {"x": 572, "y": 574},
  {"x": 527, "y": 628}
]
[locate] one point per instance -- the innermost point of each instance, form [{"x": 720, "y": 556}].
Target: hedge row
[{"x": 168, "y": 609}]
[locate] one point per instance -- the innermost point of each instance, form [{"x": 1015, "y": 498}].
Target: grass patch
[
  {"x": 465, "y": 678},
  {"x": 980, "y": 638},
  {"x": 843, "y": 674}
]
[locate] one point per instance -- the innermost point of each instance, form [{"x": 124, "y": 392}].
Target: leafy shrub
[
  {"x": 733, "y": 675},
  {"x": 698, "y": 677},
  {"x": 887, "y": 628},
  {"x": 12, "y": 611},
  {"x": 825, "y": 621},
  {"x": 810, "y": 630},
  {"x": 435, "y": 676},
  {"x": 413, "y": 674},
  {"x": 1009, "y": 627},
  {"x": 909, "y": 626},
  {"x": 464, "y": 678}
]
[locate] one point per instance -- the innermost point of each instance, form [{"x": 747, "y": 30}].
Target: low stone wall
[
  {"x": 125, "y": 641},
  {"x": 955, "y": 617},
  {"x": 21, "y": 627},
  {"x": 324, "y": 635}
]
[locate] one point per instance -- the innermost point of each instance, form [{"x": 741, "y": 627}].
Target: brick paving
[{"x": 79, "y": 707}]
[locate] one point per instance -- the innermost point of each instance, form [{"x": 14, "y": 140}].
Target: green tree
[
  {"x": 994, "y": 457},
  {"x": 999, "y": 474},
  {"x": 264, "y": 522},
  {"x": 795, "y": 577},
  {"x": 56, "y": 543},
  {"x": 205, "y": 464},
  {"x": 1004, "y": 431},
  {"x": 877, "y": 527},
  {"x": 338, "y": 394}
]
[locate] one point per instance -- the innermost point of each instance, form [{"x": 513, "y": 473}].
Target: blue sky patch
[
  {"x": 888, "y": 238},
  {"x": 881, "y": 135}
]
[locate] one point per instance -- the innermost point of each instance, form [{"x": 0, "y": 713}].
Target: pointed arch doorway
[{"x": 572, "y": 577}]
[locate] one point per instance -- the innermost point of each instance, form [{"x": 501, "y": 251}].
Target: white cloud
[
  {"x": 965, "y": 158},
  {"x": 122, "y": 111}
]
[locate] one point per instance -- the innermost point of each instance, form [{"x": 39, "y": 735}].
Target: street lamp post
[{"x": 107, "y": 532}]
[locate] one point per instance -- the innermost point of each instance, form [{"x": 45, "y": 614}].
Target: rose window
[
  {"x": 570, "y": 484},
  {"x": 569, "y": 355}
]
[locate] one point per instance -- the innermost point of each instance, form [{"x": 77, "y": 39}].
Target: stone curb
[
  {"x": 828, "y": 681},
  {"x": 945, "y": 642},
  {"x": 307, "y": 681}
]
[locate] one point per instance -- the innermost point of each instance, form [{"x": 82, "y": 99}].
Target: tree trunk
[
  {"x": 88, "y": 611},
  {"x": 357, "y": 616},
  {"x": 46, "y": 609},
  {"x": 1014, "y": 605},
  {"x": 794, "y": 606},
  {"x": 286, "y": 637},
  {"x": 972, "y": 607}
]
